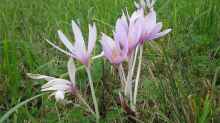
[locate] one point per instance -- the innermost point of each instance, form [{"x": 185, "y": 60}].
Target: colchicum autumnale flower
[
  {"x": 129, "y": 29},
  {"x": 112, "y": 49},
  {"x": 78, "y": 50},
  {"x": 151, "y": 29},
  {"x": 126, "y": 37},
  {"x": 59, "y": 87}
]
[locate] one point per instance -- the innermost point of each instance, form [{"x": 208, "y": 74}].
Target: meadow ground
[{"x": 179, "y": 81}]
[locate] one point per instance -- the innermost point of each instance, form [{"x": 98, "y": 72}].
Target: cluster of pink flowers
[
  {"x": 130, "y": 32},
  {"x": 128, "y": 38}
]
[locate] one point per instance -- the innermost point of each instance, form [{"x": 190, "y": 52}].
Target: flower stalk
[
  {"x": 86, "y": 104},
  {"x": 93, "y": 94},
  {"x": 138, "y": 74}
]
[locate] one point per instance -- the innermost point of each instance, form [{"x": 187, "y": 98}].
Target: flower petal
[
  {"x": 135, "y": 31},
  {"x": 158, "y": 35},
  {"x": 92, "y": 38},
  {"x": 56, "y": 81},
  {"x": 107, "y": 45},
  {"x": 150, "y": 21},
  {"x": 65, "y": 41},
  {"x": 79, "y": 42},
  {"x": 136, "y": 14},
  {"x": 157, "y": 28},
  {"x": 59, "y": 95},
  {"x": 121, "y": 31},
  {"x": 57, "y": 87}
]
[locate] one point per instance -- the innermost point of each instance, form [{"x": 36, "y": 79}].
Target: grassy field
[{"x": 179, "y": 81}]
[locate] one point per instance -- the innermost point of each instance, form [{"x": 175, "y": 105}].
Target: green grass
[{"x": 179, "y": 83}]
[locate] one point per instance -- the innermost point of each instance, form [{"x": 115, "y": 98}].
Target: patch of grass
[{"x": 177, "y": 73}]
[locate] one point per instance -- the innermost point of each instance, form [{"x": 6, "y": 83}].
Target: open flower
[
  {"x": 152, "y": 29},
  {"x": 129, "y": 29},
  {"x": 112, "y": 49},
  {"x": 126, "y": 37},
  {"x": 78, "y": 50},
  {"x": 59, "y": 86}
]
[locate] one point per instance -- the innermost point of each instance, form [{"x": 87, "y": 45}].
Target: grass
[{"x": 179, "y": 81}]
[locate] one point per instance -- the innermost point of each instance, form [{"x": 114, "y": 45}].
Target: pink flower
[
  {"x": 151, "y": 29},
  {"x": 129, "y": 29},
  {"x": 126, "y": 37},
  {"x": 112, "y": 49},
  {"x": 78, "y": 50}
]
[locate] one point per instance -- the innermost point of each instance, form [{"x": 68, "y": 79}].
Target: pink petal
[
  {"x": 136, "y": 14},
  {"x": 107, "y": 45},
  {"x": 121, "y": 32},
  {"x": 157, "y": 28},
  {"x": 79, "y": 42},
  {"x": 124, "y": 21},
  {"x": 118, "y": 60},
  {"x": 158, "y": 35},
  {"x": 150, "y": 21},
  {"x": 135, "y": 31},
  {"x": 92, "y": 38},
  {"x": 154, "y": 31},
  {"x": 65, "y": 41}
]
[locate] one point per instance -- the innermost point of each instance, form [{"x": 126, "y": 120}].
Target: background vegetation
[{"x": 179, "y": 82}]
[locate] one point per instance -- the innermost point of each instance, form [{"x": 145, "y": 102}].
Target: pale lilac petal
[
  {"x": 158, "y": 35},
  {"x": 157, "y": 28},
  {"x": 65, "y": 41},
  {"x": 136, "y": 14},
  {"x": 107, "y": 45},
  {"x": 124, "y": 21},
  {"x": 135, "y": 31},
  {"x": 84, "y": 59},
  {"x": 79, "y": 41},
  {"x": 92, "y": 38},
  {"x": 118, "y": 60},
  {"x": 125, "y": 49},
  {"x": 154, "y": 31},
  {"x": 121, "y": 34},
  {"x": 150, "y": 21}
]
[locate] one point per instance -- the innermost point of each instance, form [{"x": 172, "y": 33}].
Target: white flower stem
[
  {"x": 138, "y": 74},
  {"x": 129, "y": 78},
  {"x": 131, "y": 72},
  {"x": 134, "y": 61},
  {"x": 122, "y": 76},
  {"x": 86, "y": 104},
  {"x": 93, "y": 94}
]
